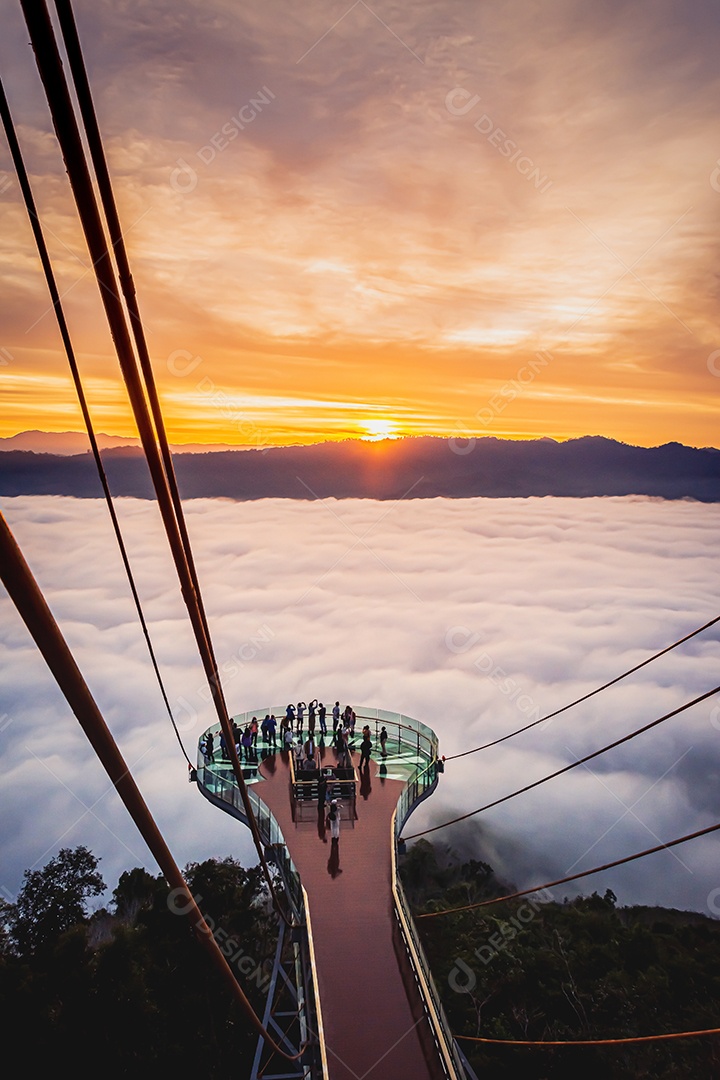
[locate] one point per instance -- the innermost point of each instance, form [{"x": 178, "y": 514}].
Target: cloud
[
  {"x": 474, "y": 616},
  {"x": 353, "y": 238}
]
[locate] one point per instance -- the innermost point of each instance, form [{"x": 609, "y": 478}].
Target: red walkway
[{"x": 375, "y": 1027}]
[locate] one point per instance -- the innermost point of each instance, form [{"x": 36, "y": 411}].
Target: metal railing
[
  {"x": 341, "y": 782},
  {"x": 447, "y": 1048}
]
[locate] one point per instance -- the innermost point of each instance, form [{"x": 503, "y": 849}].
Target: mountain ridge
[{"x": 412, "y": 467}]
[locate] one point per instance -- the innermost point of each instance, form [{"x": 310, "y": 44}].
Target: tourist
[
  {"x": 322, "y": 792},
  {"x": 246, "y": 743},
  {"x": 365, "y": 750},
  {"x": 271, "y": 728},
  {"x": 343, "y": 747},
  {"x": 383, "y": 741},
  {"x": 322, "y": 712},
  {"x": 333, "y": 820}
]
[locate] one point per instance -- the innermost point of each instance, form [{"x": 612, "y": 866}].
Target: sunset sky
[{"x": 370, "y": 219}]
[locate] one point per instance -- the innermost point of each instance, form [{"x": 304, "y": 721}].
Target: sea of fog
[{"x": 474, "y": 616}]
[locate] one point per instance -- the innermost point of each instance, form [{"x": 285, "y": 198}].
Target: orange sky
[{"x": 445, "y": 219}]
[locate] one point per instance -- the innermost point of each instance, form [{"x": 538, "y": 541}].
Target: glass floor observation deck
[{"x": 376, "y": 1010}]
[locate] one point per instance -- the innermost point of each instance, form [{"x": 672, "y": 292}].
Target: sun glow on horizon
[{"x": 376, "y": 430}]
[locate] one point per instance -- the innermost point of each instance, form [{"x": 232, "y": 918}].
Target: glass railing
[{"x": 226, "y": 790}]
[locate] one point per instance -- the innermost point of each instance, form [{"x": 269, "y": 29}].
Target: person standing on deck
[
  {"x": 246, "y": 743},
  {"x": 322, "y": 793},
  {"x": 311, "y": 717},
  {"x": 342, "y": 747},
  {"x": 301, "y": 707},
  {"x": 322, "y": 713},
  {"x": 365, "y": 750},
  {"x": 336, "y": 717},
  {"x": 350, "y": 719},
  {"x": 333, "y": 821},
  {"x": 383, "y": 741},
  {"x": 271, "y": 728},
  {"x": 209, "y": 744}
]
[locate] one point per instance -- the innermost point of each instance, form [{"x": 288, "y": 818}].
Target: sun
[{"x": 375, "y": 430}]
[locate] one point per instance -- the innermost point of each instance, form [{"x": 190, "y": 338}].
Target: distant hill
[
  {"x": 68, "y": 443},
  {"x": 404, "y": 468}
]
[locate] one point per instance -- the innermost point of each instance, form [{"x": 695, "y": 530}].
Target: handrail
[
  {"x": 318, "y": 1008},
  {"x": 436, "y": 1014}
]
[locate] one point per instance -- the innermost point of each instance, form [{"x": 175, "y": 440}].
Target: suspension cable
[
  {"x": 51, "y": 73},
  {"x": 618, "y": 678},
  {"x": 31, "y": 208},
  {"x": 35, "y": 613},
  {"x": 571, "y": 877},
  {"x": 568, "y": 768},
  {"x": 107, "y": 197},
  {"x": 590, "y": 1042}
]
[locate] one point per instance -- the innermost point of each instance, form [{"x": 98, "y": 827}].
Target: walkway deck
[{"x": 375, "y": 1025}]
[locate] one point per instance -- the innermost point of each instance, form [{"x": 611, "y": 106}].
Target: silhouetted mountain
[
  {"x": 412, "y": 468},
  {"x": 77, "y": 442}
]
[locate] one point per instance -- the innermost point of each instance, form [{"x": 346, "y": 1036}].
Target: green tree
[
  {"x": 54, "y": 899},
  {"x": 136, "y": 891},
  {"x": 6, "y": 916}
]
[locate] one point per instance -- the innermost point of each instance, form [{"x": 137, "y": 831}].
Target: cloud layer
[{"x": 474, "y": 616}]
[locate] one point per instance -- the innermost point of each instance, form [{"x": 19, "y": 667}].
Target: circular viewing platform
[{"x": 376, "y": 1010}]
